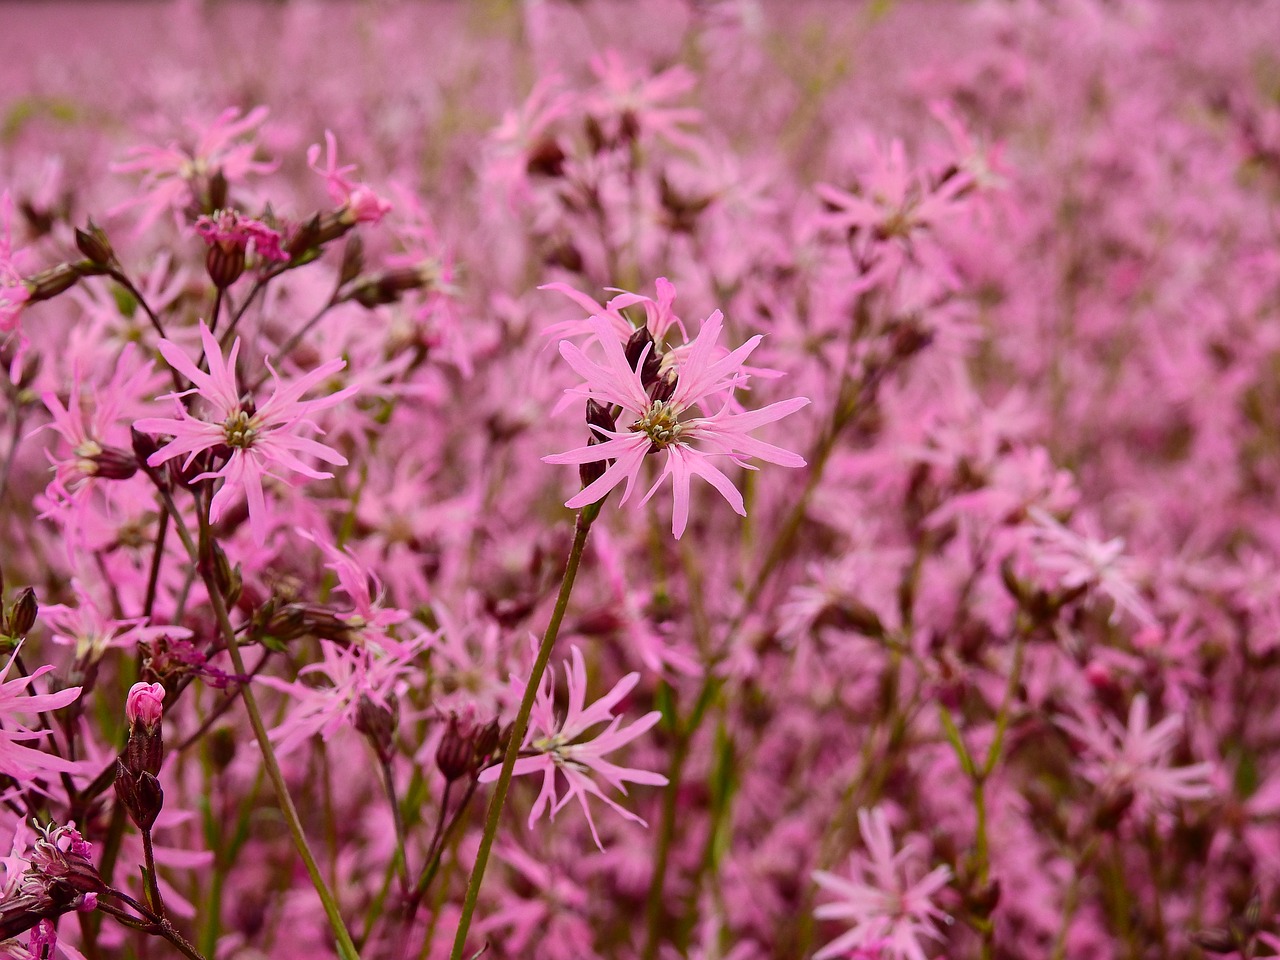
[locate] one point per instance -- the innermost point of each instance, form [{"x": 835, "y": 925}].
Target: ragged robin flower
[
  {"x": 667, "y": 416},
  {"x": 255, "y": 441}
]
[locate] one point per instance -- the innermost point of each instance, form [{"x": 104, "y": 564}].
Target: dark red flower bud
[
  {"x": 93, "y": 243},
  {"x": 22, "y": 617},
  {"x": 378, "y": 723}
]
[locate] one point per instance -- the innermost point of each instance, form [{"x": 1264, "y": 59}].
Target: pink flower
[
  {"x": 660, "y": 314},
  {"x": 169, "y": 171},
  {"x": 89, "y": 628},
  {"x": 144, "y": 704},
  {"x": 662, "y": 422},
  {"x": 88, "y": 423},
  {"x": 1134, "y": 758},
  {"x": 257, "y": 441},
  {"x": 231, "y": 231},
  {"x": 358, "y": 201},
  {"x": 565, "y": 747},
  {"x": 20, "y": 762},
  {"x": 14, "y": 292},
  {"x": 889, "y": 911},
  {"x": 1081, "y": 560},
  {"x": 328, "y": 692}
]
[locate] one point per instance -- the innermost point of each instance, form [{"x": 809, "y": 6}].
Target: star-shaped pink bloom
[
  {"x": 889, "y": 911},
  {"x": 256, "y": 441},
  {"x": 651, "y": 425},
  {"x": 565, "y": 745}
]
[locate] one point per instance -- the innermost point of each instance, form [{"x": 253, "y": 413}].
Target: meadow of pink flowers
[{"x": 674, "y": 480}]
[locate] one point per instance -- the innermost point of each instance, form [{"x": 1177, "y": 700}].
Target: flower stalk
[{"x": 582, "y": 526}]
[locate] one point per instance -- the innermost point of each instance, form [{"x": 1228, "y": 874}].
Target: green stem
[
  {"x": 581, "y": 527},
  {"x": 346, "y": 948},
  {"x": 153, "y": 882},
  {"x": 667, "y": 832}
]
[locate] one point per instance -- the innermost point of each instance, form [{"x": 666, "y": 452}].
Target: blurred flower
[
  {"x": 358, "y": 201},
  {"x": 328, "y": 693},
  {"x": 564, "y": 745},
  {"x": 168, "y": 172},
  {"x": 889, "y": 911},
  {"x": 87, "y": 427},
  {"x": 1081, "y": 561},
  {"x": 257, "y": 441},
  {"x": 14, "y": 292},
  {"x": 1133, "y": 760}
]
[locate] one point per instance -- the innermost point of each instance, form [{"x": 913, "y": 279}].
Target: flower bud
[
  {"x": 378, "y": 723},
  {"x": 144, "y": 750},
  {"x": 489, "y": 740},
  {"x": 455, "y": 756},
  {"x": 114, "y": 464},
  {"x": 636, "y": 344},
  {"x": 140, "y": 794},
  {"x": 218, "y": 188},
  {"x": 598, "y": 415},
  {"x": 144, "y": 704},
  {"x": 22, "y": 616},
  {"x": 144, "y": 445},
  {"x": 93, "y": 243},
  {"x": 546, "y": 158},
  {"x": 364, "y": 206},
  {"x": 352, "y": 259},
  {"x": 663, "y": 388},
  {"x": 225, "y": 263}
]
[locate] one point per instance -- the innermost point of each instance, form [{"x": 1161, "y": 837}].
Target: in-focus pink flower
[
  {"x": 889, "y": 911},
  {"x": 144, "y": 704},
  {"x": 256, "y": 441},
  {"x": 565, "y": 745},
  {"x": 664, "y": 424}
]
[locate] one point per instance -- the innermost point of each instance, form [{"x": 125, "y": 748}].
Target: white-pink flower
[
  {"x": 1134, "y": 758},
  {"x": 17, "y": 760},
  {"x": 14, "y": 292},
  {"x": 565, "y": 745},
  {"x": 668, "y": 424},
  {"x": 889, "y": 911},
  {"x": 254, "y": 441}
]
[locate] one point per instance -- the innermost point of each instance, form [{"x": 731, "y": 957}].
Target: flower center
[
  {"x": 660, "y": 423},
  {"x": 239, "y": 430}
]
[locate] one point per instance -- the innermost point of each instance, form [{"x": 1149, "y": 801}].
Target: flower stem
[
  {"x": 346, "y": 948},
  {"x": 521, "y": 725}
]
